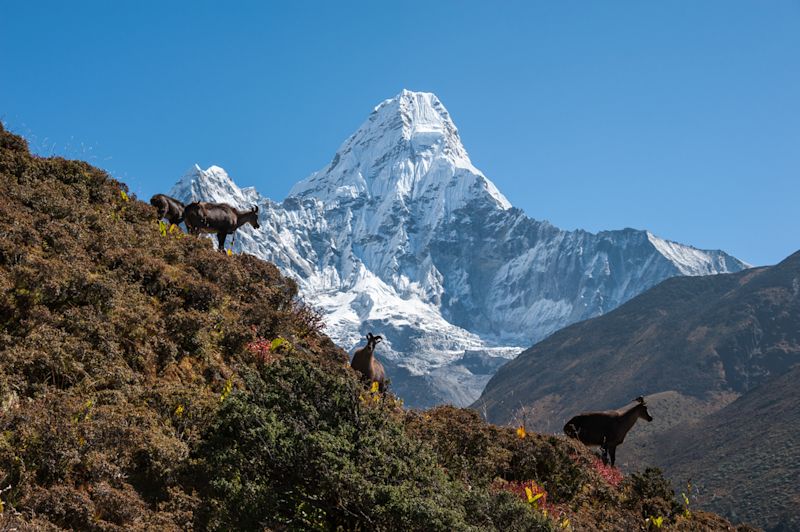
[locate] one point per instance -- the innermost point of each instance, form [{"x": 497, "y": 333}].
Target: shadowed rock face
[{"x": 402, "y": 235}]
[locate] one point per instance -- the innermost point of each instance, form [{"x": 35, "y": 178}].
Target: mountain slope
[
  {"x": 698, "y": 336},
  {"x": 400, "y": 234},
  {"x": 141, "y": 389},
  {"x": 693, "y": 345},
  {"x": 748, "y": 453}
]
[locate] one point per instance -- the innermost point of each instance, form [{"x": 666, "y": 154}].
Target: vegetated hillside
[
  {"x": 148, "y": 382},
  {"x": 692, "y": 345},
  {"x": 749, "y": 453}
]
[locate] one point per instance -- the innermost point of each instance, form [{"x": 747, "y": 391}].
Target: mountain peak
[
  {"x": 692, "y": 261},
  {"x": 408, "y": 148},
  {"x": 419, "y": 111},
  {"x": 419, "y": 118},
  {"x": 212, "y": 184}
]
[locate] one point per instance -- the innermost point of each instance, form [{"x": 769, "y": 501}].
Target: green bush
[
  {"x": 305, "y": 447},
  {"x": 650, "y": 494}
]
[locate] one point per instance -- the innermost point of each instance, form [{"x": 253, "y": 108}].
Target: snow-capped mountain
[{"x": 401, "y": 235}]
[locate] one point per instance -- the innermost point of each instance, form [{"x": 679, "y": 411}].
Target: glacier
[{"x": 401, "y": 235}]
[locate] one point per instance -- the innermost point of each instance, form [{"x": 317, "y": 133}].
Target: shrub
[
  {"x": 295, "y": 447},
  {"x": 650, "y": 493},
  {"x": 475, "y": 452}
]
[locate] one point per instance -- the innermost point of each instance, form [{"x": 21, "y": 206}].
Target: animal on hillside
[
  {"x": 219, "y": 218},
  {"x": 607, "y": 429},
  {"x": 168, "y": 208},
  {"x": 364, "y": 362}
]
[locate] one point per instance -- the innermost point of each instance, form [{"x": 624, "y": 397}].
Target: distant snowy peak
[
  {"x": 407, "y": 150},
  {"x": 692, "y": 261},
  {"x": 421, "y": 119},
  {"x": 213, "y": 184}
]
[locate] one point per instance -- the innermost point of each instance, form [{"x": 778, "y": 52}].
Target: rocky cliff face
[{"x": 401, "y": 235}]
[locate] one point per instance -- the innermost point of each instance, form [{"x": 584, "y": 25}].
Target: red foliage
[
  {"x": 610, "y": 474},
  {"x": 261, "y": 350}
]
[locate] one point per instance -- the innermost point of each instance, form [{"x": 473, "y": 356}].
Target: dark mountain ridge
[
  {"x": 699, "y": 336},
  {"x": 711, "y": 353},
  {"x": 745, "y": 457}
]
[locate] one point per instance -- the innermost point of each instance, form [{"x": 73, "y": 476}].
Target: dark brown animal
[
  {"x": 606, "y": 429},
  {"x": 217, "y": 218},
  {"x": 168, "y": 208},
  {"x": 364, "y": 362}
]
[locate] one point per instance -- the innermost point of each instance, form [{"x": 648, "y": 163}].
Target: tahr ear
[
  {"x": 255, "y": 208},
  {"x": 369, "y": 337}
]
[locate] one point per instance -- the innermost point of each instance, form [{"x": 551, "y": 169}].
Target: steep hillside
[
  {"x": 748, "y": 453},
  {"x": 693, "y": 346},
  {"x": 401, "y": 234},
  {"x": 148, "y": 382}
]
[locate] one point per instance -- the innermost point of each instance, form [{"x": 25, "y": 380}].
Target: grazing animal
[
  {"x": 219, "y": 218},
  {"x": 364, "y": 362},
  {"x": 168, "y": 208},
  {"x": 606, "y": 429}
]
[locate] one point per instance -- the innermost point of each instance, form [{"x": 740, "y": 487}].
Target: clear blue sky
[{"x": 681, "y": 117}]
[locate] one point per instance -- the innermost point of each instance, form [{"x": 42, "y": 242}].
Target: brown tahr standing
[
  {"x": 217, "y": 218},
  {"x": 168, "y": 208},
  {"x": 606, "y": 429},
  {"x": 364, "y": 362}
]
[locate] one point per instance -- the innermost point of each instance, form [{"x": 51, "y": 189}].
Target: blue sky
[{"x": 681, "y": 117}]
